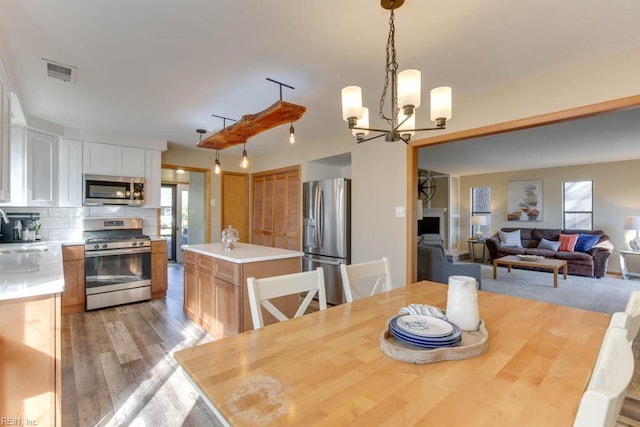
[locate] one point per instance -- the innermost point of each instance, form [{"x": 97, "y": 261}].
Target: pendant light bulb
[
  {"x": 216, "y": 168},
  {"x": 244, "y": 163},
  {"x": 292, "y": 135}
]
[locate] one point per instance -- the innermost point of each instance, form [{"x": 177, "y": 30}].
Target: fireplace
[
  {"x": 429, "y": 225},
  {"x": 432, "y": 221}
]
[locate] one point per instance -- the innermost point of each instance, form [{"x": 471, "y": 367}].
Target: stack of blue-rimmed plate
[{"x": 425, "y": 331}]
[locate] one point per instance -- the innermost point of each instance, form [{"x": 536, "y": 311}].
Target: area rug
[{"x": 606, "y": 295}]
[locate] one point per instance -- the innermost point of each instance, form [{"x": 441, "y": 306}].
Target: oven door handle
[{"x": 108, "y": 252}]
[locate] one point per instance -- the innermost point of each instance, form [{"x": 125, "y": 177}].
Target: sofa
[
  {"x": 433, "y": 265},
  {"x": 591, "y": 262}
]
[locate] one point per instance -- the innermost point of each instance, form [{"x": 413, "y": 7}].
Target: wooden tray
[{"x": 473, "y": 344}]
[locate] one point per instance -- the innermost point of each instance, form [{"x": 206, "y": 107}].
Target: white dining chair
[
  {"x": 601, "y": 402},
  {"x": 630, "y": 318},
  {"x": 366, "y": 278},
  {"x": 261, "y": 291}
]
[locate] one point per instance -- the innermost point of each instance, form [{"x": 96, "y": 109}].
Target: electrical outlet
[{"x": 400, "y": 212}]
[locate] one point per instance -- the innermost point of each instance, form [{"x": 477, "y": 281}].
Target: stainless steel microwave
[{"x": 113, "y": 190}]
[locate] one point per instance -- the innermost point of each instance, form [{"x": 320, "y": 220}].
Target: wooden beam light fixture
[{"x": 279, "y": 113}]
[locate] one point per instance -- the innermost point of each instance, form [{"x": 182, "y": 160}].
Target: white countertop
[
  {"x": 243, "y": 252},
  {"x": 30, "y": 269}
]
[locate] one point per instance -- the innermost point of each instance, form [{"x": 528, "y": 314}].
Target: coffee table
[{"x": 547, "y": 264}]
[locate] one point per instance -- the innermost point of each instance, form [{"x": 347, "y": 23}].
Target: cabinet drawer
[
  {"x": 205, "y": 265},
  {"x": 189, "y": 259},
  {"x": 72, "y": 253},
  {"x": 227, "y": 271},
  {"x": 159, "y": 246}
]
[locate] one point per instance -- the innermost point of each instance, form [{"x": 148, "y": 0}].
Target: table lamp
[
  {"x": 478, "y": 221},
  {"x": 633, "y": 223}
]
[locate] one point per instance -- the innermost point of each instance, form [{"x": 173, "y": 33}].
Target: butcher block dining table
[{"x": 327, "y": 368}]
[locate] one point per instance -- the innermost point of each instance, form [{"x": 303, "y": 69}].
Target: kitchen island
[
  {"x": 31, "y": 280},
  {"x": 215, "y": 284}
]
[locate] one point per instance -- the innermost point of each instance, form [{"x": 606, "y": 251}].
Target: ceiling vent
[{"x": 66, "y": 73}]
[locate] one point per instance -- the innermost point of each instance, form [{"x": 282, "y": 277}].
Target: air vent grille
[{"x": 66, "y": 73}]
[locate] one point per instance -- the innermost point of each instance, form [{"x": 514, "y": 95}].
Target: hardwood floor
[{"x": 118, "y": 367}]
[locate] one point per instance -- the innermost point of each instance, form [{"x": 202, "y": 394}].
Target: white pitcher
[{"x": 462, "y": 303}]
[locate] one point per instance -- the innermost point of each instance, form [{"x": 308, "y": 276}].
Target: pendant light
[
  {"x": 244, "y": 163},
  {"x": 292, "y": 134},
  {"x": 216, "y": 168},
  {"x": 404, "y": 98}
]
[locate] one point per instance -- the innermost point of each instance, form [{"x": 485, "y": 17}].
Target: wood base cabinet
[
  {"x": 30, "y": 361},
  {"x": 158, "y": 269},
  {"x": 215, "y": 291},
  {"x": 73, "y": 297}
]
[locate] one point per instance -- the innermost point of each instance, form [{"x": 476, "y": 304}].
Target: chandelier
[{"x": 405, "y": 92}]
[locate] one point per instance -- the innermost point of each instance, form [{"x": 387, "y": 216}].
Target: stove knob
[
  {"x": 96, "y": 246},
  {"x": 133, "y": 244},
  {"x": 104, "y": 246}
]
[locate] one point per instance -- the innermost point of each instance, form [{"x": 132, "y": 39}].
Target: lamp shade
[
  {"x": 409, "y": 88},
  {"x": 632, "y": 223},
  {"x": 409, "y": 124},
  {"x": 441, "y": 103},
  {"x": 479, "y": 220},
  {"x": 351, "y": 102},
  {"x": 363, "y": 122}
]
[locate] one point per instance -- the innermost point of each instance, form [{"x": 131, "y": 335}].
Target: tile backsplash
[{"x": 66, "y": 223}]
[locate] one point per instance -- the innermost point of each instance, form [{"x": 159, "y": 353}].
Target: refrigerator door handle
[
  {"x": 317, "y": 218},
  {"x": 321, "y": 216},
  {"x": 322, "y": 261}
]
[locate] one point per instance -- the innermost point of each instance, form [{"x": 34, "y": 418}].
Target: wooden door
[
  {"x": 286, "y": 217},
  {"x": 276, "y": 208},
  {"x": 263, "y": 210},
  {"x": 235, "y": 203}
]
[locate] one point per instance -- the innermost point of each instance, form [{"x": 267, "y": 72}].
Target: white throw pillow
[{"x": 510, "y": 238}]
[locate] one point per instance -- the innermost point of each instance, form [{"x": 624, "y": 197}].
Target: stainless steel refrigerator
[{"x": 327, "y": 231}]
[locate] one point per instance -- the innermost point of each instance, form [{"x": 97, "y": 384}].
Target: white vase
[{"x": 462, "y": 303}]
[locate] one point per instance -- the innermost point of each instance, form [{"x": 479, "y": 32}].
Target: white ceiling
[
  {"x": 609, "y": 137},
  {"x": 160, "y": 68}
]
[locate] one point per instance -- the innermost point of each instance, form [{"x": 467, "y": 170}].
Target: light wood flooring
[{"x": 118, "y": 367}]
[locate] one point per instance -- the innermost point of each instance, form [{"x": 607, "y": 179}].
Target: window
[
  {"x": 577, "y": 205},
  {"x": 481, "y": 207}
]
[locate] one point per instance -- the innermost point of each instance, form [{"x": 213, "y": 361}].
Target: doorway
[
  {"x": 184, "y": 217},
  {"x": 168, "y": 218}
]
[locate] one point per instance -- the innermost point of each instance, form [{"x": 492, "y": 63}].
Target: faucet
[{"x": 4, "y": 217}]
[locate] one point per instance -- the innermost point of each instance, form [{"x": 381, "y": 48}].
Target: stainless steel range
[{"x": 117, "y": 261}]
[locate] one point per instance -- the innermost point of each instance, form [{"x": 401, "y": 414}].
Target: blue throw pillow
[
  {"x": 549, "y": 244},
  {"x": 510, "y": 238},
  {"x": 586, "y": 242}
]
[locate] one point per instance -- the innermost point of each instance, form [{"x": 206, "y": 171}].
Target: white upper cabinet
[
  {"x": 130, "y": 161},
  {"x": 115, "y": 160},
  {"x": 70, "y": 173},
  {"x": 5, "y": 140},
  {"x": 153, "y": 178},
  {"x": 34, "y": 168},
  {"x": 99, "y": 159},
  {"x": 42, "y": 169}
]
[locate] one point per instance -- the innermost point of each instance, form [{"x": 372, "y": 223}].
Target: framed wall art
[{"x": 524, "y": 201}]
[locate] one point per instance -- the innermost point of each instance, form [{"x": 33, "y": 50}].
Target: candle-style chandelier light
[{"x": 405, "y": 93}]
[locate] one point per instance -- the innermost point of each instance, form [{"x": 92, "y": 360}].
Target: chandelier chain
[{"x": 391, "y": 65}]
